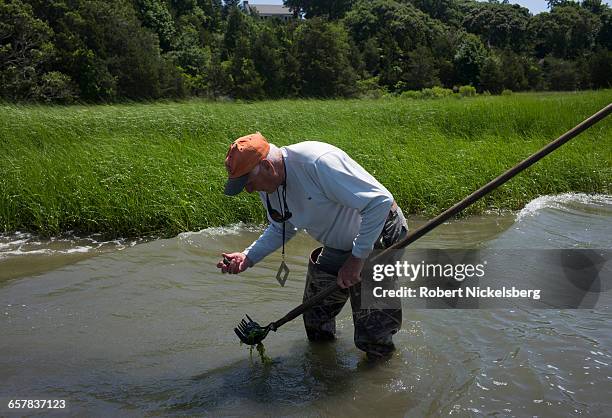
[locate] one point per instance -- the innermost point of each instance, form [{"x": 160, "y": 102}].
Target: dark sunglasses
[{"x": 276, "y": 215}]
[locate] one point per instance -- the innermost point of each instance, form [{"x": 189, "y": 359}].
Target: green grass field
[{"x": 157, "y": 169}]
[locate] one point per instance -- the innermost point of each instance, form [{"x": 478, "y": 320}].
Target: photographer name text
[{"x": 465, "y": 292}]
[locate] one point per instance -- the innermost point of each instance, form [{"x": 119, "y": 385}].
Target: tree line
[{"x": 112, "y": 50}]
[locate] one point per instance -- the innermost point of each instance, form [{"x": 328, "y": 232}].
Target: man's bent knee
[{"x": 319, "y": 321}]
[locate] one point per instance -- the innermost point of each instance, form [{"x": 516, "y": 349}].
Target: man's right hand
[{"x": 234, "y": 263}]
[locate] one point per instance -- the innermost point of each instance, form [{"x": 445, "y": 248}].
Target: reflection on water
[{"x": 148, "y": 330}]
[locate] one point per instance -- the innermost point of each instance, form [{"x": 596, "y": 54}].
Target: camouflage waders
[{"x": 374, "y": 328}]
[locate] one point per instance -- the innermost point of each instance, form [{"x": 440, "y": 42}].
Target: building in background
[{"x": 268, "y": 11}]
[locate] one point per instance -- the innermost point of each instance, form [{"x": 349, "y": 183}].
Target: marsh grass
[{"x": 157, "y": 169}]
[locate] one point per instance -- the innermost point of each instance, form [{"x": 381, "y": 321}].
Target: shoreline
[{"x": 156, "y": 169}]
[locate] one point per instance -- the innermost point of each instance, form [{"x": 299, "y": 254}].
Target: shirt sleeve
[
  {"x": 344, "y": 181},
  {"x": 270, "y": 240}
]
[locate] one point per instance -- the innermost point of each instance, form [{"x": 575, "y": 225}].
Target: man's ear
[{"x": 268, "y": 167}]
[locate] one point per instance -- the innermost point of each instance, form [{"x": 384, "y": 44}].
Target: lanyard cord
[{"x": 282, "y": 208}]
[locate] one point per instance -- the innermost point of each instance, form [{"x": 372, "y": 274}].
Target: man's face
[{"x": 263, "y": 178}]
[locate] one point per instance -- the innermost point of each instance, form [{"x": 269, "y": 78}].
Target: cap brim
[{"x": 235, "y": 186}]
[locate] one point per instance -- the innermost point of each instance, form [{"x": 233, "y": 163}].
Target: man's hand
[
  {"x": 234, "y": 263},
  {"x": 350, "y": 272}
]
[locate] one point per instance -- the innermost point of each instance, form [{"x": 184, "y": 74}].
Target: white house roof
[{"x": 270, "y": 9}]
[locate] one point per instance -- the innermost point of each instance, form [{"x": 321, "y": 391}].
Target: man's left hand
[{"x": 350, "y": 272}]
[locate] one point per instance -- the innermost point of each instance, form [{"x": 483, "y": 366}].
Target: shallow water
[{"x": 124, "y": 329}]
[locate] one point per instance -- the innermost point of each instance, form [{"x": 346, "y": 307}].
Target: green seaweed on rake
[
  {"x": 259, "y": 347},
  {"x": 253, "y": 335},
  {"x": 262, "y": 353}
]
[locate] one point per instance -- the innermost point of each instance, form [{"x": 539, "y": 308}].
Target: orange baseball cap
[{"x": 243, "y": 155}]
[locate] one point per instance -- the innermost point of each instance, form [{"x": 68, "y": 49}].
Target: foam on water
[
  {"x": 26, "y": 244},
  {"x": 234, "y": 229},
  {"x": 197, "y": 240},
  {"x": 561, "y": 202},
  {"x": 569, "y": 220}
]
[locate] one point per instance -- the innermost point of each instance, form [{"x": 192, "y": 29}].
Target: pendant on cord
[{"x": 282, "y": 273}]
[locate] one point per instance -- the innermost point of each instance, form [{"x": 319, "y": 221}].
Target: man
[{"x": 319, "y": 188}]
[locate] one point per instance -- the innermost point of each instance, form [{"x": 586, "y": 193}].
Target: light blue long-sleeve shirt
[{"x": 330, "y": 196}]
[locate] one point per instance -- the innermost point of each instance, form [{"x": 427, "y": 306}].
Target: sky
[{"x": 535, "y": 6}]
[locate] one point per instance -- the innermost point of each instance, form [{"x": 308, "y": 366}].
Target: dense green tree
[
  {"x": 390, "y": 58},
  {"x": 499, "y": 25},
  {"x": 331, "y": 9},
  {"x": 217, "y": 78},
  {"x": 371, "y": 56},
  {"x": 390, "y": 31},
  {"x": 247, "y": 83},
  {"x": 213, "y": 10},
  {"x": 127, "y": 52},
  {"x": 322, "y": 52},
  {"x": 448, "y": 11},
  {"x": 356, "y": 59},
  {"x": 407, "y": 25},
  {"x": 268, "y": 60},
  {"x": 600, "y": 68},
  {"x": 491, "y": 76},
  {"x": 419, "y": 70},
  {"x": 193, "y": 61},
  {"x": 103, "y": 47},
  {"x": 583, "y": 71},
  {"x": 228, "y": 6},
  {"x": 25, "y": 51},
  {"x": 183, "y": 7},
  {"x": 556, "y": 3},
  {"x": 24, "y": 47},
  {"x": 594, "y": 6},
  {"x": 237, "y": 28},
  {"x": 154, "y": 14},
  {"x": 604, "y": 37},
  {"x": 534, "y": 74},
  {"x": 292, "y": 81},
  {"x": 513, "y": 69},
  {"x": 469, "y": 59},
  {"x": 560, "y": 74},
  {"x": 566, "y": 32},
  {"x": 443, "y": 49},
  {"x": 194, "y": 48}
]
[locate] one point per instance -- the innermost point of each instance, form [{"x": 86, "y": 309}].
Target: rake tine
[
  {"x": 241, "y": 332},
  {"x": 240, "y": 336},
  {"x": 249, "y": 330}
]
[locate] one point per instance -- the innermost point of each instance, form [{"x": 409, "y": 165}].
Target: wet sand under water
[{"x": 147, "y": 329}]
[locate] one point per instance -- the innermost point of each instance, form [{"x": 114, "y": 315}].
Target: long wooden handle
[{"x": 305, "y": 306}]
